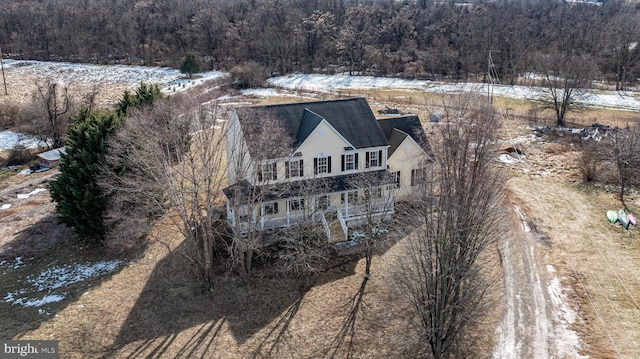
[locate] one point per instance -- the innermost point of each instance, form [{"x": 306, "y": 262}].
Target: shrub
[
  {"x": 19, "y": 155},
  {"x": 589, "y": 162}
]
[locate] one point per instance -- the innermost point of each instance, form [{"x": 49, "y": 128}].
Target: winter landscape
[{"x": 562, "y": 280}]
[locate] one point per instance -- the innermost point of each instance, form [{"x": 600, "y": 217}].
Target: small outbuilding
[{"x": 51, "y": 158}]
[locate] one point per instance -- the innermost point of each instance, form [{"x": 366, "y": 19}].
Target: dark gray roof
[
  {"x": 352, "y": 118},
  {"x": 310, "y": 121},
  {"x": 407, "y": 125},
  {"x": 306, "y": 187},
  {"x": 395, "y": 139}
]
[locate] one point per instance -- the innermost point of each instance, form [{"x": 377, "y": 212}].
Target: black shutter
[
  {"x": 356, "y": 163},
  {"x": 315, "y": 166},
  {"x": 259, "y": 173},
  {"x": 329, "y": 164},
  {"x": 342, "y": 163},
  {"x": 274, "y": 171},
  {"x": 366, "y": 160},
  {"x": 275, "y": 207},
  {"x": 286, "y": 170},
  {"x": 380, "y": 158},
  {"x": 301, "y": 169}
]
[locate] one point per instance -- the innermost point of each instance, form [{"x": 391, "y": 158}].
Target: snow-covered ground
[
  {"x": 330, "y": 83},
  {"x": 43, "y": 288},
  {"x": 168, "y": 79},
  {"x": 9, "y": 139}
]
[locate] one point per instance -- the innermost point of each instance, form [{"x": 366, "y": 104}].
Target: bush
[
  {"x": 8, "y": 114},
  {"x": 589, "y": 162},
  {"x": 19, "y": 155},
  {"x": 249, "y": 75}
]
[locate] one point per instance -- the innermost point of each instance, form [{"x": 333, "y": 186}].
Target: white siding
[{"x": 409, "y": 155}]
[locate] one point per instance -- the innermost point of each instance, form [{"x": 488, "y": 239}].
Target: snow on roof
[{"x": 53, "y": 155}]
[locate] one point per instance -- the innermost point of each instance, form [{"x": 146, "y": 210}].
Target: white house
[{"x": 335, "y": 168}]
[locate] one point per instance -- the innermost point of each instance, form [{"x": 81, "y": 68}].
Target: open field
[{"x": 585, "y": 272}]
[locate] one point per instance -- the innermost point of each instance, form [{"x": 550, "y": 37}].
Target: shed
[{"x": 51, "y": 158}]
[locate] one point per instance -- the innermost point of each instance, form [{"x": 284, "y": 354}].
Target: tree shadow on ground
[
  {"x": 44, "y": 270},
  {"x": 171, "y": 303}
]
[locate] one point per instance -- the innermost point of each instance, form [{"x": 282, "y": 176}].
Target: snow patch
[
  {"x": 5, "y": 206},
  {"x": 331, "y": 83},
  {"x": 266, "y": 92},
  {"x": 568, "y": 341},
  {"x": 508, "y": 159},
  {"x": 56, "y": 277},
  {"x": 34, "y": 192},
  {"x": 10, "y": 139}
]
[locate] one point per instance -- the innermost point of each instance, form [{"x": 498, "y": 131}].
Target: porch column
[
  {"x": 346, "y": 200},
  {"x": 288, "y": 205},
  {"x": 262, "y": 216}
]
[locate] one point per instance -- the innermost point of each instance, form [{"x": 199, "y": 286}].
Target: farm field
[{"x": 571, "y": 283}]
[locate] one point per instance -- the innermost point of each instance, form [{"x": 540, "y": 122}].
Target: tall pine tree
[{"x": 79, "y": 199}]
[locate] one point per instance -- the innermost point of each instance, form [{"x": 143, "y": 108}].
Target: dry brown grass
[
  {"x": 597, "y": 259},
  {"x": 152, "y": 307}
]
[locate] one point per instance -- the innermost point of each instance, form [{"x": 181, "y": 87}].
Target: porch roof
[{"x": 243, "y": 192}]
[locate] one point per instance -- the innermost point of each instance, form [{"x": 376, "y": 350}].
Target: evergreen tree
[
  {"x": 78, "y": 198},
  {"x": 190, "y": 66},
  {"x": 145, "y": 95}
]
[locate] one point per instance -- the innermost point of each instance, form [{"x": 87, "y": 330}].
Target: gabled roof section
[
  {"x": 352, "y": 118},
  {"x": 395, "y": 139},
  {"x": 310, "y": 121},
  {"x": 397, "y": 128}
]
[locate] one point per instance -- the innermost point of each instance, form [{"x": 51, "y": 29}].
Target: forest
[{"x": 413, "y": 39}]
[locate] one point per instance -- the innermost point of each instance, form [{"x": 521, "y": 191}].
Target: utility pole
[
  {"x": 489, "y": 78},
  {"x": 4, "y": 80}
]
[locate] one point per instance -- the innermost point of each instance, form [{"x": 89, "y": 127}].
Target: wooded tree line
[{"x": 421, "y": 39}]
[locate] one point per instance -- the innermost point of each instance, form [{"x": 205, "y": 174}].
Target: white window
[
  {"x": 418, "y": 176},
  {"x": 296, "y": 204},
  {"x": 271, "y": 208},
  {"x": 351, "y": 196},
  {"x": 374, "y": 159},
  {"x": 294, "y": 168},
  {"x": 349, "y": 161},
  {"x": 243, "y": 213},
  {"x": 268, "y": 172},
  {"x": 395, "y": 177},
  {"x": 373, "y": 193},
  {"x": 322, "y": 165}
]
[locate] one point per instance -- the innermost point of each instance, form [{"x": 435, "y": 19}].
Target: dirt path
[{"x": 536, "y": 316}]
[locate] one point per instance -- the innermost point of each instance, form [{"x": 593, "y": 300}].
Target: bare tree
[
  {"x": 180, "y": 169},
  {"x": 55, "y": 107},
  {"x": 565, "y": 76},
  {"x": 256, "y": 140},
  {"x": 625, "y": 150},
  {"x": 458, "y": 217}
]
